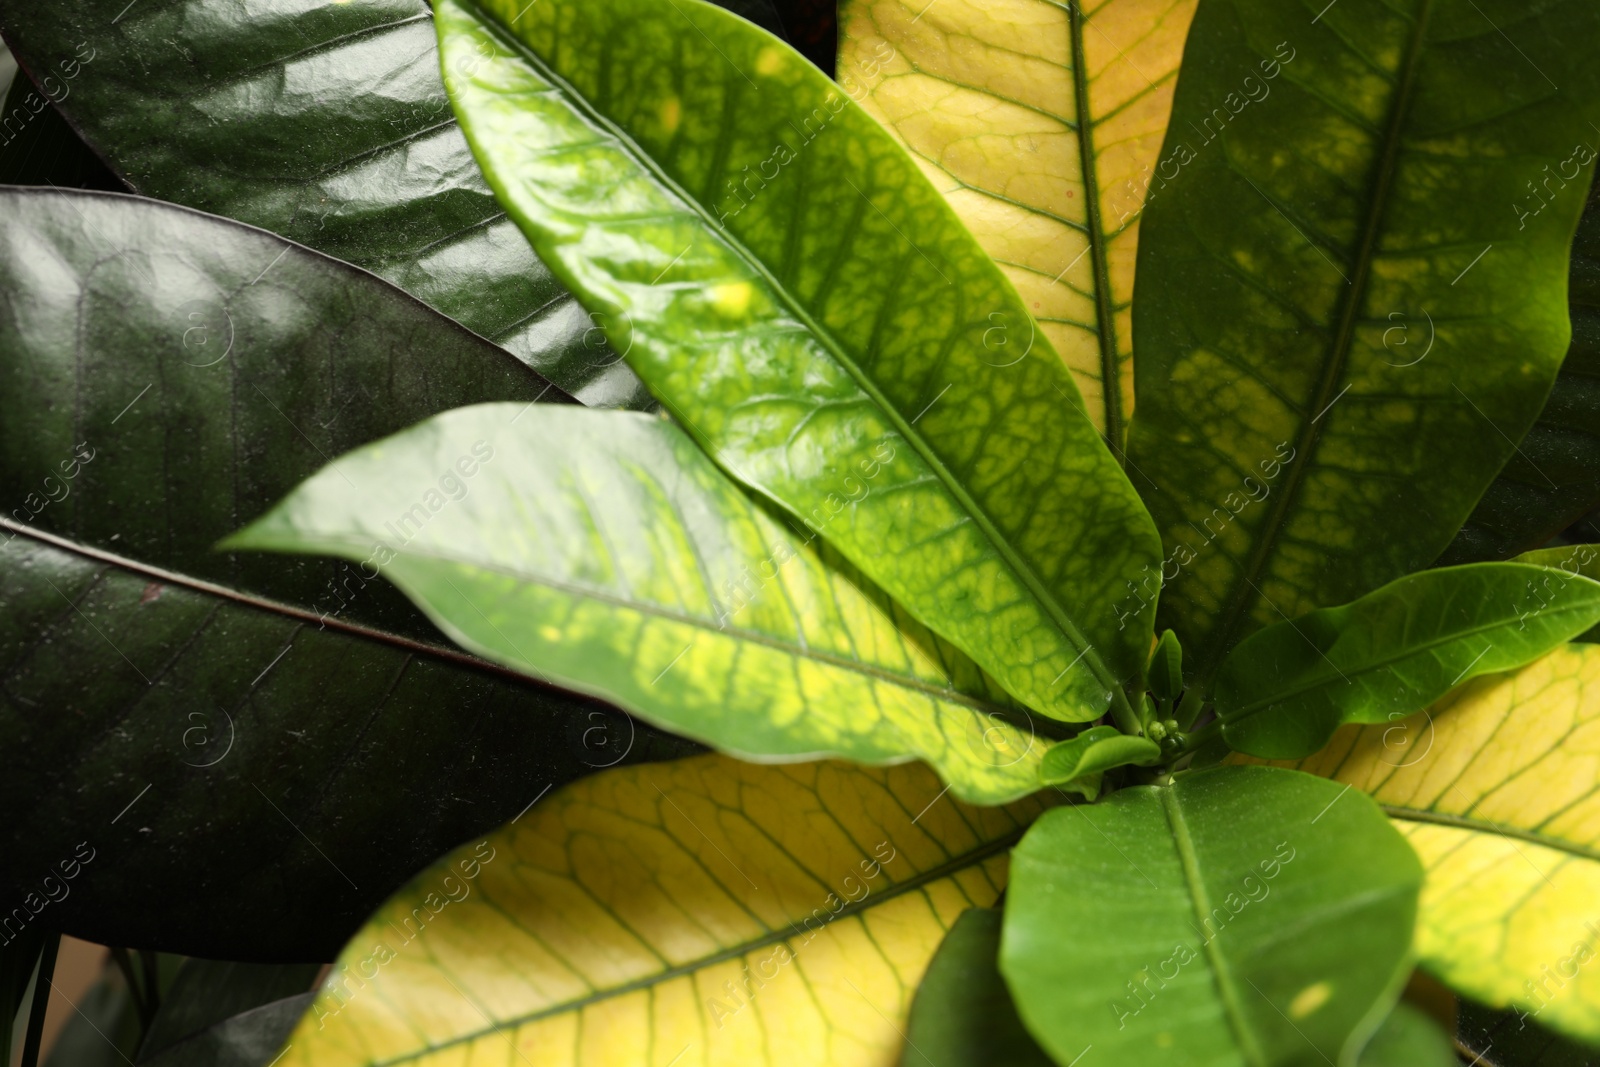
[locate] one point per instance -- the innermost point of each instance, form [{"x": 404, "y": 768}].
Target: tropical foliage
[{"x": 1104, "y": 483}]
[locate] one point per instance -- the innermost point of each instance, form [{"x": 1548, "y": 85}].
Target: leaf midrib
[
  {"x": 1105, "y": 314},
  {"x": 1227, "y": 988},
  {"x": 1240, "y": 598},
  {"x": 1054, "y": 610},
  {"x": 1384, "y": 662},
  {"x": 755, "y": 637},
  {"x": 250, "y": 600},
  {"x": 1485, "y": 826},
  {"x": 772, "y": 937}
]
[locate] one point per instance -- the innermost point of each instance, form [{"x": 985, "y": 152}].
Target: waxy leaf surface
[
  {"x": 1385, "y": 192},
  {"x": 284, "y": 739},
  {"x": 1497, "y": 787},
  {"x": 800, "y": 297},
  {"x": 1285, "y": 689},
  {"x": 606, "y": 551},
  {"x": 1240, "y": 916},
  {"x": 963, "y": 1015},
  {"x": 1097, "y": 749},
  {"x": 703, "y": 913},
  {"x": 326, "y": 123},
  {"x": 1409, "y": 1038},
  {"x": 1041, "y": 124}
]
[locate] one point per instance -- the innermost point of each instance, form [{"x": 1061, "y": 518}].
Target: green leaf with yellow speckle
[
  {"x": 1352, "y": 294},
  {"x": 804, "y": 302},
  {"x": 1241, "y": 916},
  {"x": 606, "y": 551}
]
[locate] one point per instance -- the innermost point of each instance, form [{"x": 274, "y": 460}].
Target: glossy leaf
[
  {"x": 1285, "y": 689},
  {"x": 719, "y": 912},
  {"x": 1041, "y": 123},
  {"x": 1513, "y": 1039},
  {"x": 1097, "y": 749},
  {"x": 205, "y": 993},
  {"x": 190, "y": 736},
  {"x": 1166, "y": 667},
  {"x": 37, "y": 147},
  {"x": 828, "y": 335},
  {"x": 1301, "y": 456},
  {"x": 249, "y": 1039},
  {"x": 1408, "y": 1038},
  {"x": 963, "y": 1015},
  {"x": 328, "y": 124},
  {"x": 1554, "y": 477},
  {"x": 1581, "y": 559},
  {"x": 1240, "y": 915},
  {"x": 1498, "y": 788},
  {"x": 605, "y": 551}
]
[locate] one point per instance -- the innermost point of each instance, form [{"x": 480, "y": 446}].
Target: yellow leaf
[
  {"x": 701, "y": 912},
  {"x": 1001, "y": 101},
  {"x": 1497, "y": 787}
]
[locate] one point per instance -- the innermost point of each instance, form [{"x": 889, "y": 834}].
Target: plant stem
[{"x": 1195, "y": 741}]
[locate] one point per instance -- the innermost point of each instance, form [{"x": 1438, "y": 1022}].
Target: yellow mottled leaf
[
  {"x": 1498, "y": 788},
  {"x": 701, "y": 912},
  {"x": 1002, "y": 102}
]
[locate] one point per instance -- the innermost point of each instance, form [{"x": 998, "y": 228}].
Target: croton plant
[{"x": 1102, "y": 480}]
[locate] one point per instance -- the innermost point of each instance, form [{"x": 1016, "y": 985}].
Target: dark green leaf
[
  {"x": 604, "y": 550},
  {"x": 1380, "y": 187},
  {"x": 37, "y": 147},
  {"x": 249, "y": 1039},
  {"x": 1285, "y": 689},
  {"x": 328, "y": 124},
  {"x": 1096, "y": 750},
  {"x": 1494, "y": 1038},
  {"x": 1408, "y": 1038},
  {"x": 963, "y": 1015},
  {"x": 209, "y": 736},
  {"x": 1554, "y": 477},
  {"x": 207, "y": 992},
  {"x": 1166, "y": 667},
  {"x": 833, "y": 337},
  {"x": 1574, "y": 559},
  {"x": 1240, "y": 915}
]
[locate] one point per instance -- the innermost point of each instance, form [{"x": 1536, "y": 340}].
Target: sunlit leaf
[
  {"x": 817, "y": 318},
  {"x": 1002, "y": 103},
  {"x": 1498, "y": 789},
  {"x": 699, "y": 913}
]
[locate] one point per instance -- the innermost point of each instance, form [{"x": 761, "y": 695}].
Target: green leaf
[
  {"x": 830, "y": 335},
  {"x": 37, "y": 147},
  {"x": 605, "y": 551},
  {"x": 1040, "y": 122},
  {"x": 328, "y": 124},
  {"x": 963, "y": 1015},
  {"x": 187, "y": 737},
  {"x": 1297, "y": 454},
  {"x": 1409, "y": 1038},
  {"x": 1097, "y": 749},
  {"x": 1496, "y": 788},
  {"x": 1574, "y": 559},
  {"x": 721, "y": 912},
  {"x": 1166, "y": 667},
  {"x": 1285, "y": 689},
  {"x": 1554, "y": 477},
  {"x": 249, "y": 1039},
  {"x": 1240, "y": 915},
  {"x": 205, "y": 993}
]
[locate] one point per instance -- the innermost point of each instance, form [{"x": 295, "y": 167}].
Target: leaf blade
[
  {"x": 605, "y": 968},
  {"x": 1285, "y": 689},
  {"x": 1360, "y": 458},
  {"x": 610, "y": 555},
  {"x": 1160, "y": 887},
  {"x": 1001, "y": 125},
  {"x": 796, "y": 370},
  {"x": 1512, "y": 820}
]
